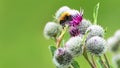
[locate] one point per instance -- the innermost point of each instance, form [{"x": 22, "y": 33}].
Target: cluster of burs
[{"x": 86, "y": 37}]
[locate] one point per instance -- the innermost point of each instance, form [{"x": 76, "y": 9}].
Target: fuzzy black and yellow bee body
[{"x": 64, "y": 18}]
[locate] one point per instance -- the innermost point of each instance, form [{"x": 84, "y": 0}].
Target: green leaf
[
  {"x": 75, "y": 64},
  {"x": 100, "y": 63},
  {"x": 52, "y": 49},
  {"x": 63, "y": 43},
  {"x": 84, "y": 37},
  {"x": 95, "y": 13}
]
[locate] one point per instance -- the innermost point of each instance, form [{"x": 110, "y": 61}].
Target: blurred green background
[{"x": 22, "y": 44}]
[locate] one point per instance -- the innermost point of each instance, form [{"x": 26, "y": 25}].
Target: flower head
[
  {"x": 84, "y": 25},
  {"x": 76, "y": 17},
  {"x": 74, "y": 46},
  {"x": 95, "y": 30},
  {"x": 96, "y": 45},
  {"x": 74, "y": 31},
  {"x": 51, "y": 29},
  {"x": 62, "y": 58}
]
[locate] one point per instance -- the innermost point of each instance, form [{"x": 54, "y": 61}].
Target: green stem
[
  {"x": 107, "y": 61},
  {"x": 84, "y": 50},
  {"x": 92, "y": 58},
  {"x": 102, "y": 62},
  {"x": 86, "y": 57},
  {"x": 59, "y": 39},
  {"x": 84, "y": 37}
]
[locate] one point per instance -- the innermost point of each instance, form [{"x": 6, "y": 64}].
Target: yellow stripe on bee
[{"x": 62, "y": 17}]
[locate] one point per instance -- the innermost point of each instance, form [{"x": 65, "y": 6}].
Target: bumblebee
[
  {"x": 65, "y": 15},
  {"x": 64, "y": 18}
]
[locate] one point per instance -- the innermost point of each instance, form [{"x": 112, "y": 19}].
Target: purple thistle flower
[
  {"x": 76, "y": 18},
  {"x": 74, "y": 31},
  {"x": 60, "y": 51}
]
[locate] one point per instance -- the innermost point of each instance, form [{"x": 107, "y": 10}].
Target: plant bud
[
  {"x": 52, "y": 29},
  {"x": 84, "y": 25},
  {"x": 74, "y": 46},
  {"x": 62, "y": 59},
  {"x": 96, "y": 45},
  {"x": 95, "y": 30}
]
